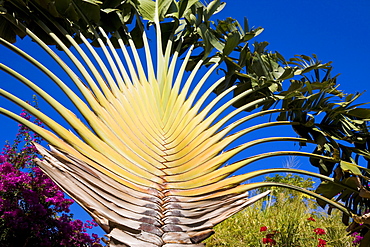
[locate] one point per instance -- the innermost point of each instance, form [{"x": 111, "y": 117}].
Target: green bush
[{"x": 284, "y": 218}]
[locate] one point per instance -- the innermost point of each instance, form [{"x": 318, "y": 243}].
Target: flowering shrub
[
  {"x": 322, "y": 243},
  {"x": 272, "y": 238},
  {"x": 311, "y": 219},
  {"x": 319, "y": 231},
  {"x": 269, "y": 238},
  {"x": 280, "y": 221},
  {"x": 268, "y": 241},
  {"x": 263, "y": 229},
  {"x": 33, "y": 210}
]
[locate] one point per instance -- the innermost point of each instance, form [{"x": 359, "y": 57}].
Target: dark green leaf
[
  {"x": 349, "y": 167},
  {"x": 231, "y": 42},
  {"x": 329, "y": 190},
  {"x": 362, "y": 113}
]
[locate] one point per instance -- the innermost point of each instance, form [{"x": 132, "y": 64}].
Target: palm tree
[{"x": 146, "y": 152}]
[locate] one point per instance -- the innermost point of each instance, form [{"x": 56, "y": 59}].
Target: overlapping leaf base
[{"x": 135, "y": 218}]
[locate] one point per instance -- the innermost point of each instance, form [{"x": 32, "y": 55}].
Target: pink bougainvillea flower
[
  {"x": 319, "y": 231},
  {"x": 33, "y": 209},
  {"x": 263, "y": 229},
  {"x": 322, "y": 243},
  {"x": 357, "y": 238},
  {"x": 311, "y": 219}
]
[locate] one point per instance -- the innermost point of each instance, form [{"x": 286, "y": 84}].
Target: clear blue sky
[{"x": 334, "y": 30}]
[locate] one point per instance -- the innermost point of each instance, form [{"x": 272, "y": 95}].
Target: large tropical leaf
[{"x": 147, "y": 151}]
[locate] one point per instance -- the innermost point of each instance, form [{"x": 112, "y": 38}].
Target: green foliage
[
  {"x": 285, "y": 218},
  {"x": 288, "y": 179},
  {"x": 289, "y": 220}
]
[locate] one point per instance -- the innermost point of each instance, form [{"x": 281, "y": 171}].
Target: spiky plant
[{"x": 146, "y": 154}]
